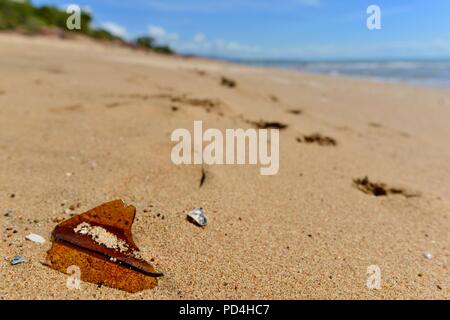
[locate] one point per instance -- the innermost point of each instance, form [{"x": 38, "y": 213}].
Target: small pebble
[
  {"x": 428, "y": 255},
  {"x": 58, "y": 219},
  {"x": 18, "y": 260},
  {"x": 35, "y": 238}
]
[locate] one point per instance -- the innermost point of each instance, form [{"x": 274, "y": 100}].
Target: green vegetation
[
  {"x": 163, "y": 49},
  {"x": 147, "y": 42},
  {"x": 21, "y": 15}
]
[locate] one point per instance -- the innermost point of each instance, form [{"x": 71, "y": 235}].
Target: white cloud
[
  {"x": 156, "y": 31},
  {"x": 87, "y": 9},
  {"x": 161, "y": 35},
  {"x": 200, "y": 44},
  {"x": 199, "y": 38},
  {"x": 115, "y": 29}
]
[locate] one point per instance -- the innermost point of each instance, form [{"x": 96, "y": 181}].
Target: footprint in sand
[
  {"x": 317, "y": 138},
  {"x": 267, "y": 124},
  {"x": 388, "y": 130},
  {"x": 54, "y": 70},
  {"x": 229, "y": 83},
  {"x": 71, "y": 108},
  {"x": 114, "y": 105},
  {"x": 205, "y": 103},
  {"x": 379, "y": 189},
  {"x": 200, "y": 72},
  {"x": 274, "y": 98},
  {"x": 295, "y": 111},
  {"x": 203, "y": 177}
]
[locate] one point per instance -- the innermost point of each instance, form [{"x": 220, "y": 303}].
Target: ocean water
[{"x": 433, "y": 73}]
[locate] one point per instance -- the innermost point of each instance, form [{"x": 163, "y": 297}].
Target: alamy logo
[
  {"x": 374, "y": 279},
  {"x": 74, "y": 20},
  {"x": 231, "y": 149},
  {"x": 374, "y": 20},
  {"x": 74, "y": 280}
]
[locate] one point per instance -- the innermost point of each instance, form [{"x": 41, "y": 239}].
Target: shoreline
[
  {"x": 377, "y": 79},
  {"x": 213, "y": 61}
]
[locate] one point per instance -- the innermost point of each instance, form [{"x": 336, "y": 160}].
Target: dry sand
[{"x": 84, "y": 123}]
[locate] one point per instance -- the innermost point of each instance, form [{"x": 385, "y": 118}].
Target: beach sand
[{"x": 83, "y": 123}]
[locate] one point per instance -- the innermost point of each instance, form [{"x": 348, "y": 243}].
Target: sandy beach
[{"x": 83, "y": 123}]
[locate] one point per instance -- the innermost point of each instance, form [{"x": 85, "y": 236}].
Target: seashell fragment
[
  {"x": 35, "y": 238},
  {"x": 198, "y": 216},
  {"x": 428, "y": 255},
  {"x": 18, "y": 260}
]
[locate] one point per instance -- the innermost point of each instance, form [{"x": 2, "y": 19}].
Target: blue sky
[{"x": 297, "y": 29}]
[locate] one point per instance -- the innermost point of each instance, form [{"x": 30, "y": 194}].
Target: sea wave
[{"x": 435, "y": 73}]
